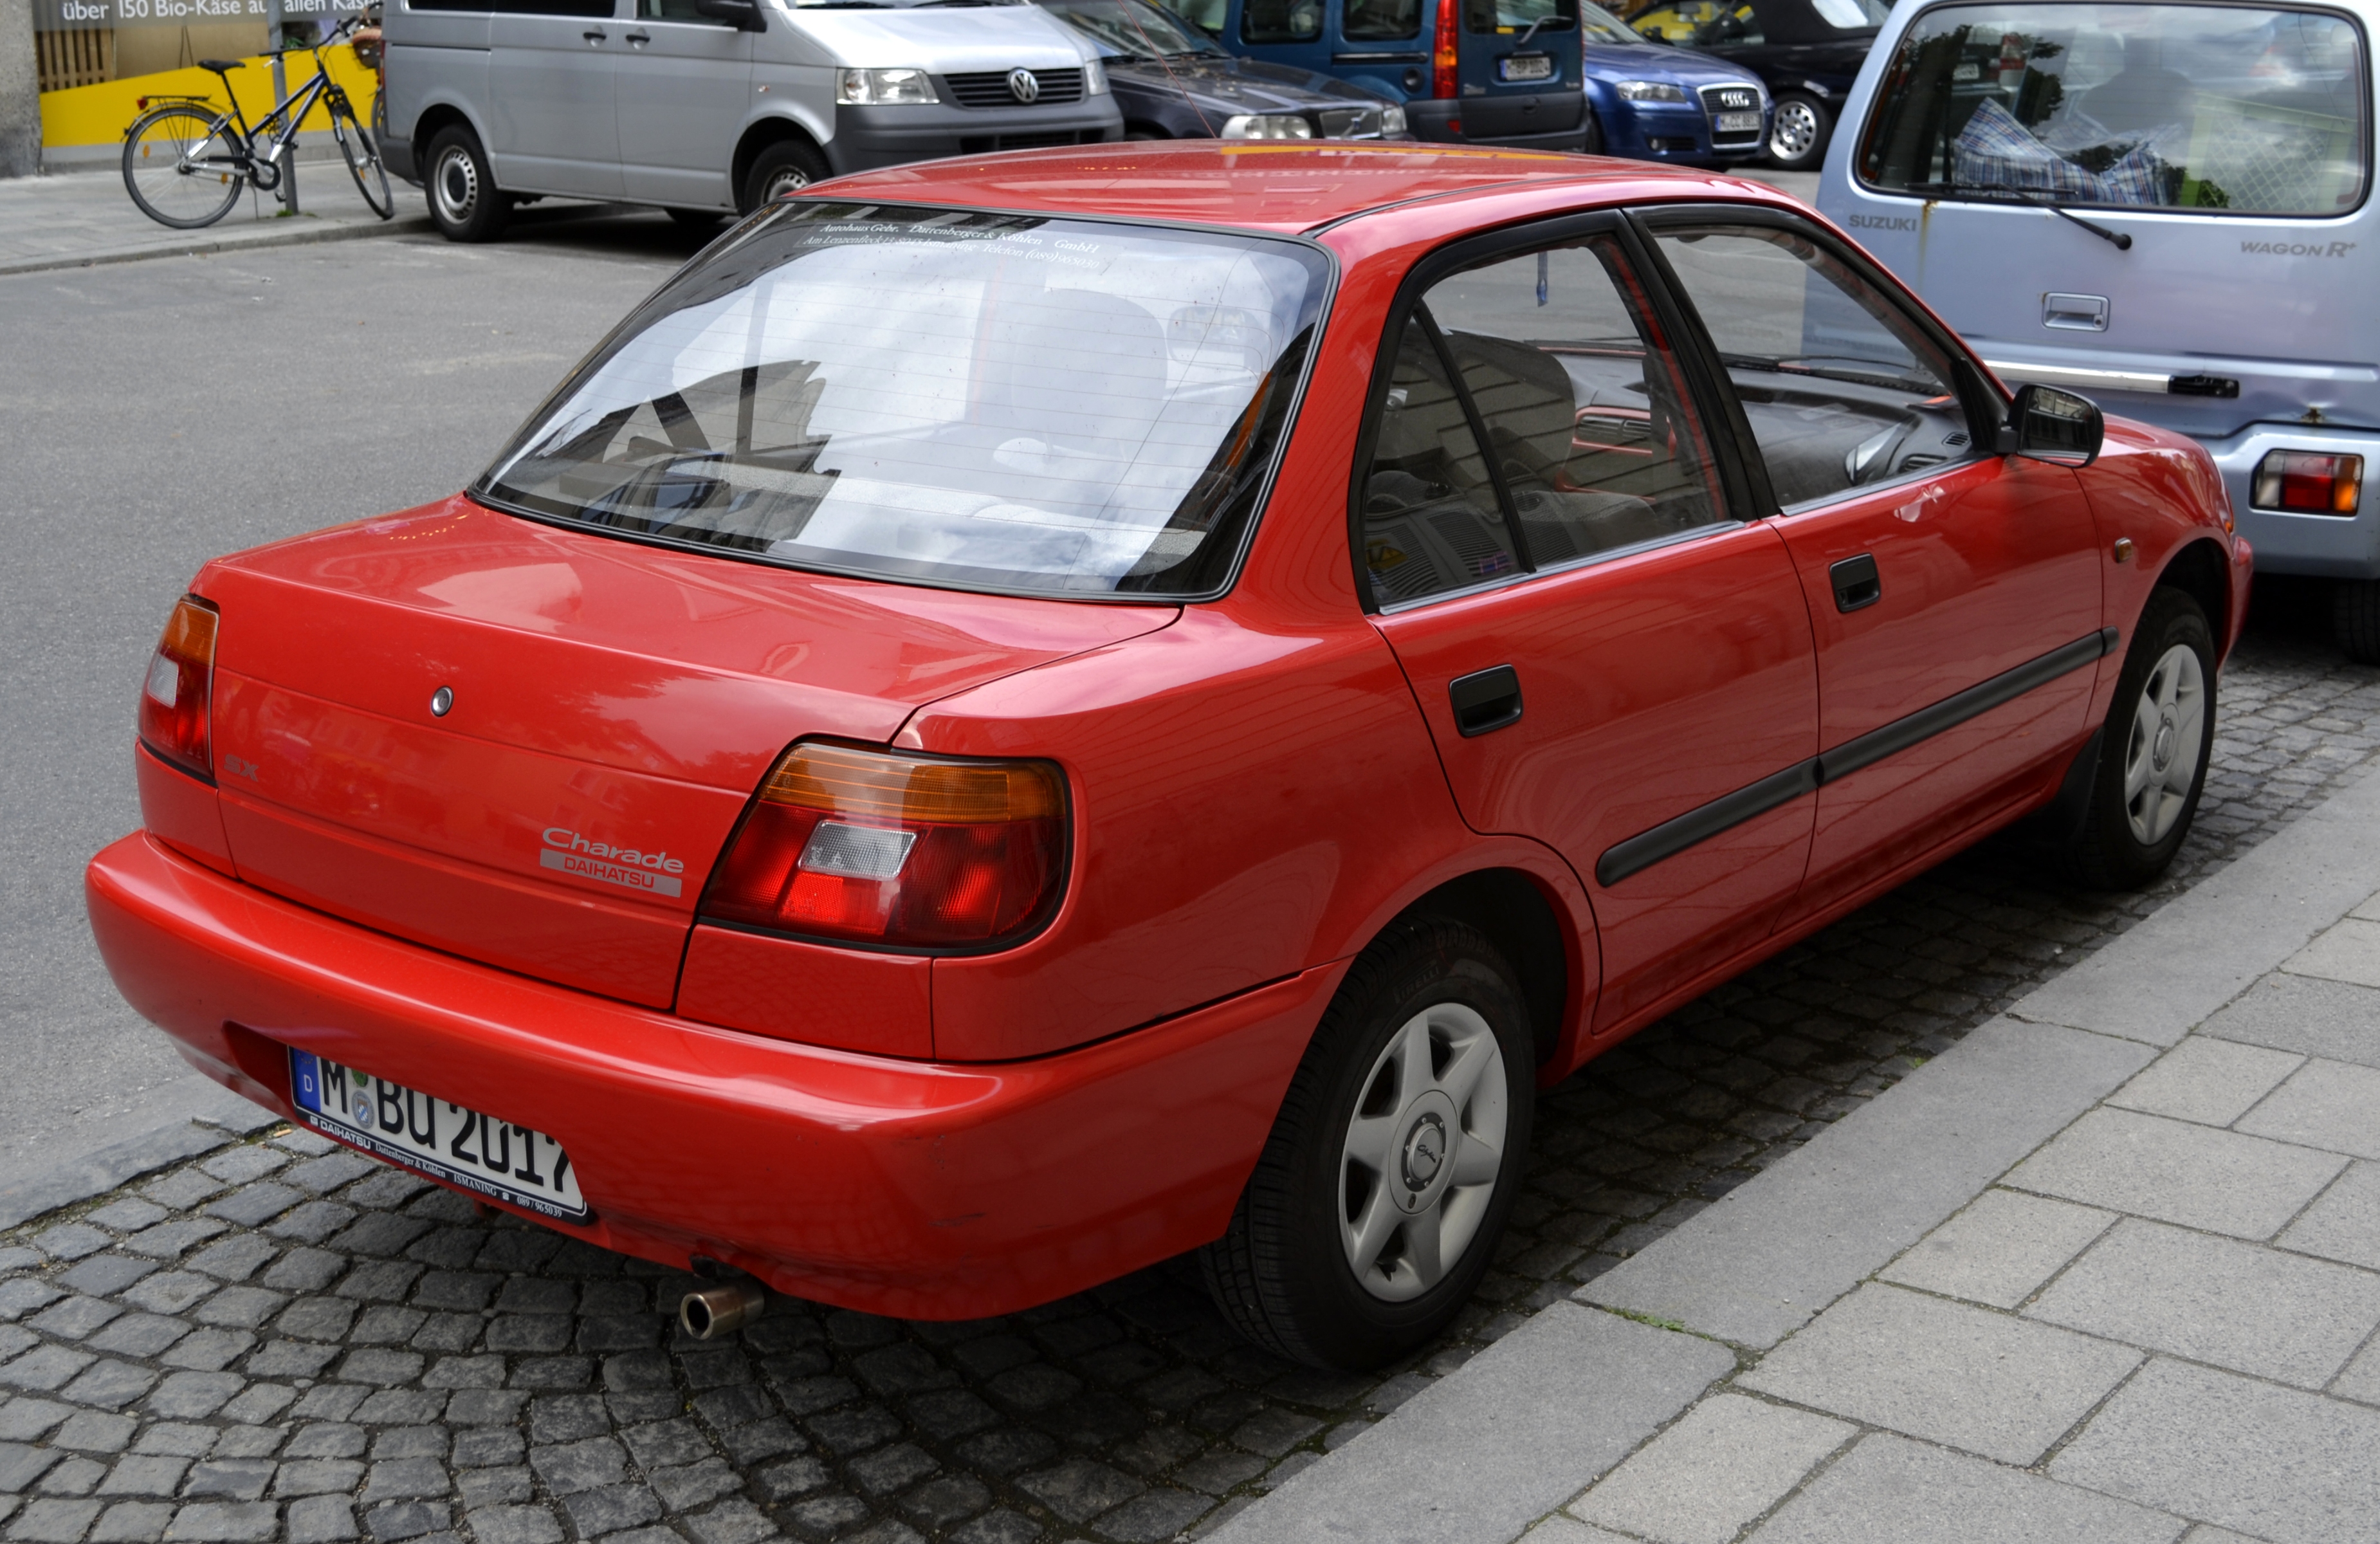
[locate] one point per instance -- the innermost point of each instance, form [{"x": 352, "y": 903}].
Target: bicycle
[{"x": 185, "y": 162}]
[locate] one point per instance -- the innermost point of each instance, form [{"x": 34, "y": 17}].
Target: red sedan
[{"x": 1024, "y": 716}]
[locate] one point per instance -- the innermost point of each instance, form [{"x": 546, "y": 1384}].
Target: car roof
[{"x": 1256, "y": 185}]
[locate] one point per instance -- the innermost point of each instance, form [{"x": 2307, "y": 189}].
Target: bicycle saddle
[{"x": 222, "y": 67}]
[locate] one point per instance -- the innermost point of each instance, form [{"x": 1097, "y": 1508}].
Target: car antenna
[{"x": 1168, "y": 69}]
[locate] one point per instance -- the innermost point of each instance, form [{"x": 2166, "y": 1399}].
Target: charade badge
[{"x": 630, "y": 869}]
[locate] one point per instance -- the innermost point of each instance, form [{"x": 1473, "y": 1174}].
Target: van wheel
[
  {"x": 2154, "y": 751},
  {"x": 2355, "y": 617},
  {"x": 1381, "y": 1192},
  {"x": 787, "y": 166},
  {"x": 465, "y": 202},
  {"x": 1797, "y": 135}
]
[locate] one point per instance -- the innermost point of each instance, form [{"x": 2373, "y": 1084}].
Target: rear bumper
[
  {"x": 867, "y": 138},
  {"x": 2329, "y": 546},
  {"x": 914, "y": 1188},
  {"x": 1433, "y": 118}
]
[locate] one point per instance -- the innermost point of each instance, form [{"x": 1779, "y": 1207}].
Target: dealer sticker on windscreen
[{"x": 452, "y": 1141}]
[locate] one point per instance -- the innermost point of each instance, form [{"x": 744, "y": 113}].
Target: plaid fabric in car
[{"x": 1995, "y": 151}]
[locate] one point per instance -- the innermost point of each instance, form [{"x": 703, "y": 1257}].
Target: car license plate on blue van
[
  {"x": 1525, "y": 67},
  {"x": 459, "y": 1145}
]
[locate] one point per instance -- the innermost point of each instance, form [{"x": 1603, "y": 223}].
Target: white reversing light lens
[{"x": 856, "y": 852}]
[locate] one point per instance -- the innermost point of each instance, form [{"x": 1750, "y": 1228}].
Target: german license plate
[
  {"x": 1525, "y": 67},
  {"x": 438, "y": 1136},
  {"x": 1739, "y": 122}
]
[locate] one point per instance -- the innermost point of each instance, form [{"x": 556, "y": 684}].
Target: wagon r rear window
[{"x": 984, "y": 401}]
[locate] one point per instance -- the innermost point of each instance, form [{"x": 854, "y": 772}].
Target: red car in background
[{"x": 1025, "y": 716}]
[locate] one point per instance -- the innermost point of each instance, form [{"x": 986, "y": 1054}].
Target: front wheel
[
  {"x": 1376, "y": 1203},
  {"x": 1593, "y": 144},
  {"x": 2355, "y": 618},
  {"x": 362, "y": 152},
  {"x": 184, "y": 165},
  {"x": 465, "y": 202},
  {"x": 1797, "y": 135},
  {"x": 2153, "y": 749},
  {"x": 787, "y": 166}
]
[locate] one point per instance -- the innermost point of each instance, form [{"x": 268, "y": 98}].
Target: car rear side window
[
  {"x": 1280, "y": 21},
  {"x": 2223, "y": 108},
  {"x": 1556, "y": 358},
  {"x": 1840, "y": 386},
  {"x": 1382, "y": 21},
  {"x": 984, "y": 401}
]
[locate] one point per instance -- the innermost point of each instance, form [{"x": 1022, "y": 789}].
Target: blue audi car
[{"x": 1652, "y": 102}]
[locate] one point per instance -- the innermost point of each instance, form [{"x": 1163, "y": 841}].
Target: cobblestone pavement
[{"x": 285, "y": 1340}]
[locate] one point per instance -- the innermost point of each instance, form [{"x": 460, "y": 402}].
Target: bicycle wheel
[
  {"x": 362, "y": 153},
  {"x": 184, "y": 164}
]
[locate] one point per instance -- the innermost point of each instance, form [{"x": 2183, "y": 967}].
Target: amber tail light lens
[
  {"x": 898, "y": 850},
  {"x": 176, "y": 699}
]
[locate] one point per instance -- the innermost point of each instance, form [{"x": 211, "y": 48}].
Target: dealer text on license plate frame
[
  {"x": 452, "y": 1141},
  {"x": 1525, "y": 67}
]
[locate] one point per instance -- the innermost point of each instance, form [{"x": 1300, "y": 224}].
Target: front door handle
[
  {"x": 1856, "y": 582},
  {"x": 640, "y": 39},
  {"x": 1485, "y": 701}
]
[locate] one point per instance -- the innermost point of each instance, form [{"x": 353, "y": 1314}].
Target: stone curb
[
  {"x": 95, "y": 1174},
  {"x": 204, "y": 245},
  {"x": 1501, "y": 1435}
]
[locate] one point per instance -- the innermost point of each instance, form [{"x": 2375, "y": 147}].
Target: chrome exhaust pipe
[{"x": 721, "y": 1311}]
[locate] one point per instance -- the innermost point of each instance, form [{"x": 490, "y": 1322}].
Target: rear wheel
[
  {"x": 183, "y": 165},
  {"x": 1377, "y": 1204},
  {"x": 787, "y": 166},
  {"x": 1594, "y": 142},
  {"x": 1797, "y": 135},
  {"x": 2153, "y": 749},
  {"x": 461, "y": 187},
  {"x": 2355, "y": 617}
]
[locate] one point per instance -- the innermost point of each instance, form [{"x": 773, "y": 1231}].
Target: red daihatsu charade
[{"x": 1024, "y": 716}]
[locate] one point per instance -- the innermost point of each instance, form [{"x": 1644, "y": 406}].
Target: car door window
[
  {"x": 1555, "y": 357},
  {"x": 1280, "y": 21},
  {"x": 1842, "y": 387}
]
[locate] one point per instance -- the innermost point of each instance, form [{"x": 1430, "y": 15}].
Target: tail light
[
  {"x": 902, "y": 850},
  {"x": 1443, "y": 60},
  {"x": 176, "y": 699},
  {"x": 2307, "y": 484}
]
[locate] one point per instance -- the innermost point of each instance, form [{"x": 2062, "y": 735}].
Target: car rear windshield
[
  {"x": 983, "y": 401},
  {"x": 2245, "y": 110}
]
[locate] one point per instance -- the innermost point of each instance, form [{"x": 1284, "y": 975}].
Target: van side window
[
  {"x": 593, "y": 8},
  {"x": 1382, "y": 21},
  {"x": 1280, "y": 21},
  {"x": 1557, "y": 356},
  {"x": 673, "y": 10},
  {"x": 1840, "y": 386}
]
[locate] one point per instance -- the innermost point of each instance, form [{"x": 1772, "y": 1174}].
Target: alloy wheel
[
  {"x": 1794, "y": 131},
  {"x": 1419, "y": 1164},
  {"x": 2161, "y": 752}
]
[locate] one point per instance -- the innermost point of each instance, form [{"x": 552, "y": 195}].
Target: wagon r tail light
[
  {"x": 2307, "y": 484},
  {"x": 907, "y": 851},
  {"x": 174, "y": 700}
]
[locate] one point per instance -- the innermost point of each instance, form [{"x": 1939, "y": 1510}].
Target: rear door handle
[
  {"x": 1485, "y": 701},
  {"x": 1856, "y": 582},
  {"x": 594, "y": 34}
]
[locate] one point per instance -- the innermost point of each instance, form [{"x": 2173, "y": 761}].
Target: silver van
[
  {"x": 708, "y": 107},
  {"x": 2165, "y": 206}
]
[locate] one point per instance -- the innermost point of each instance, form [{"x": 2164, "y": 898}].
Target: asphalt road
[{"x": 160, "y": 413}]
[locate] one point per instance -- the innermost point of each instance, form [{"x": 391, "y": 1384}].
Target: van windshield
[
  {"x": 2222, "y": 108},
  {"x": 984, "y": 401}
]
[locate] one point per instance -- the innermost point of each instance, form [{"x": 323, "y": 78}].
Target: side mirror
[
  {"x": 744, "y": 14},
  {"x": 2047, "y": 424}
]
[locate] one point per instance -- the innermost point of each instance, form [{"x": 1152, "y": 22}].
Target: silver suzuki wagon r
[
  {"x": 706, "y": 107},
  {"x": 2166, "y": 206}
]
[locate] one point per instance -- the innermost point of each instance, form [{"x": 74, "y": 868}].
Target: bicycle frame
[{"x": 289, "y": 112}]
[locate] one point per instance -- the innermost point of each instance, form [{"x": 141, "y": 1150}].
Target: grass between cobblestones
[{"x": 283, "y": 1341}]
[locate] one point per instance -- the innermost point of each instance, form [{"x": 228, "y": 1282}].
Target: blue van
[
  {"x": 2166, "y": 206},
  {"x": 1473, "y": 72}
]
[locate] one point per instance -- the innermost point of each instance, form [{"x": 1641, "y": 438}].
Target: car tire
[
  {"x": 1593, "y": 143},
  {"x": 2355, "y": 618},
  {"x": 465, "y": 202},
  {"x": 1798, "y": 134},
  {"x": 2152, "y": 750},
  {"x": 1422, "y": 1073},
  {"x": 784, "y": 167}
]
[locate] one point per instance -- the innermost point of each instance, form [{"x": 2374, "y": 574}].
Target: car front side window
[
  {"x": 1841, "y": 388},
  {"x": 1552, "y": 357}
]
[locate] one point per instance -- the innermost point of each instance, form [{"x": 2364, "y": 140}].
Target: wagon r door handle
[
  {"x": 1485, "y": 699},
  {"x": 1856, "y": 582}
]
